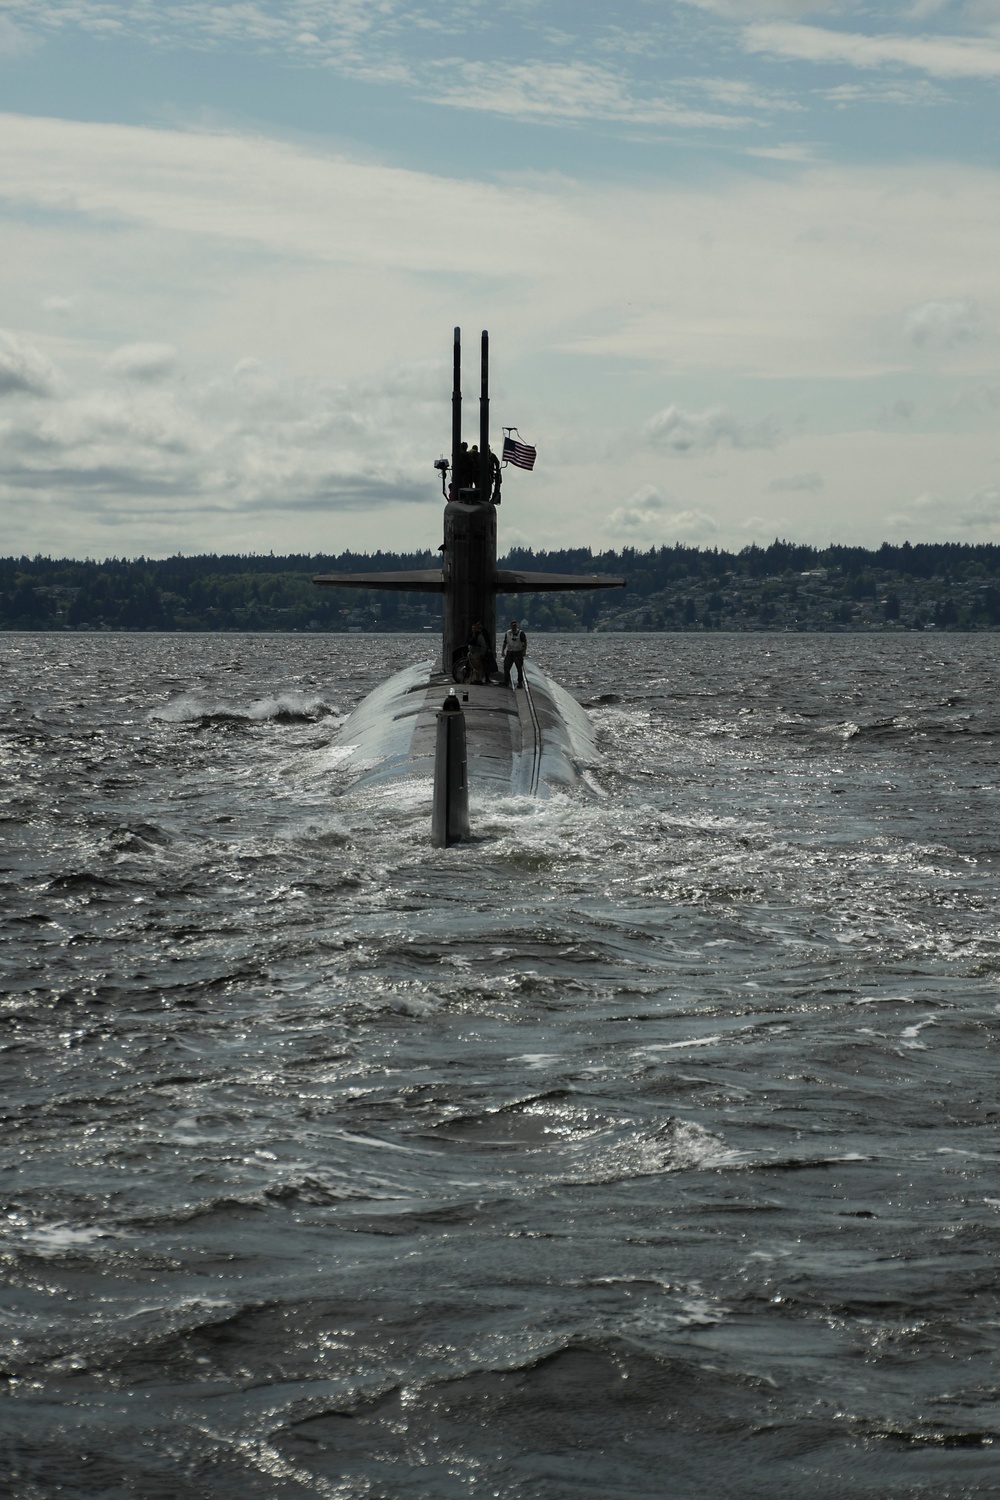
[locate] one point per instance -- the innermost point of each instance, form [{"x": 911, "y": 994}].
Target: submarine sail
[{"x": 521, "y": 742}]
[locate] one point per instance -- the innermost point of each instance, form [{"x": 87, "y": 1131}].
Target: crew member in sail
[
  {"x": 515, "y": 646},
  {"x": 478, "y": 648}
]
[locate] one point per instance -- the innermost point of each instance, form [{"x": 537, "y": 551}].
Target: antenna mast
[
  {"x": 485, "y": 474},
  {"x": 456, "y": 418}
]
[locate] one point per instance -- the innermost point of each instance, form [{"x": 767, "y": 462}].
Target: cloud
[
  {"x": 273, "y": 196},
  {"x": 791, "y": 151},
  {"x": 740, "y": 94},
  {"x": 981, "y": 509},
  {"x": 933, "y": 515},
  {"x": 745, "y": 258},
  {"x": 527, "y": 69},
  {"x": 209, "y": 201},
  {"x": 939, "y": 56},
  {"x": 763, "y": 526},
  {"x": 981, "y": 397},
  {"x": 143, "y": 361},
  {"x": 749, "y": 10},
  {"x": 14, "y": 42},
  {"x": 388, "y": 42},
  {"x": 703, "y": 431},
  {"x": 647, "y": 500},
  {"x": 23, "y": 369},
  {"x": 229, "y": 448},
  {"x": 797, "y": 483},
  {"x": 564, "y": 91},
  {"x": 943, "y": 324},
  {"x": 648, "y": 516},
  {"x": 907, "y": 92},
  {"x": 919, "y": 10},
  {"x": 335, "y": 26},
  {"x": 689, "y": 526}
]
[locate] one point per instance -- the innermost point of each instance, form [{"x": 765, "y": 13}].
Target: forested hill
[{"x": 780, "y": 587}]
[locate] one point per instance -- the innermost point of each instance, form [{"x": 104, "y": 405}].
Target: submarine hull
[{"x": 520, "y": 742}]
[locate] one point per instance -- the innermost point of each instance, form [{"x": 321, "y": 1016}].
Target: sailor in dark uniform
[{"x": 478, "y": 647}]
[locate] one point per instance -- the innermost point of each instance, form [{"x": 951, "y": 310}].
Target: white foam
[
  {"x": 285, "y": 703},
  {"x": 56, "y": 1237},
  {"x": 181, "y": 710},
  {"x": 695, "y": 1041},
  {"x": 910, "y": 1034},
  {"x": 680, "y": 1146},
  {"x": 699, "y": 1312},
  {"x": 188, "y": 707},
  {"x": 694, "y": 1146}
]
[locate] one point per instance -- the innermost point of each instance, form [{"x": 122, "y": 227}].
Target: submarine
[{"x": 427, "y": 720}]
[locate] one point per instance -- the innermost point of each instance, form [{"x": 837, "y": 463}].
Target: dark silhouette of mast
[
  {"x": 485, "y": 466},
  {"x": 470, "y": 529},
  {"x": 456, "y": 405}
]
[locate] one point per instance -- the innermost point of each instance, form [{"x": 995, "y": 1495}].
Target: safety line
[{"x": 537, "y": 751}]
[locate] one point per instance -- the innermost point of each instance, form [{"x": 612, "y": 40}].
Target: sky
[{"x": 738, "y": 260}]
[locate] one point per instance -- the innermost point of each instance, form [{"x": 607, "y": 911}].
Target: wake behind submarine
[{"x": 490, "y": 737}]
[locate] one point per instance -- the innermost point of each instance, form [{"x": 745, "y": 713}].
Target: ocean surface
[{"x": 645, "y": 1147}]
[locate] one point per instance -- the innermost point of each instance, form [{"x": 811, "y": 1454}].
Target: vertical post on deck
[{"x": 450, "y": 815}]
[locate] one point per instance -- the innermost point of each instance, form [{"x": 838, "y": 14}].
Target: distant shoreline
[
  {"x": 416, "y": 635},
  {"x": 783, "y": 588}
]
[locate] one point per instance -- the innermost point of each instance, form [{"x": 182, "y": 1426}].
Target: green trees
[{"x": 784, "y": 585}]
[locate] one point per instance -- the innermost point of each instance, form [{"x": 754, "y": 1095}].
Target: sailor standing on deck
[
  {"x": 478, "y": 647},
  {"x": 515, "y": 645}
]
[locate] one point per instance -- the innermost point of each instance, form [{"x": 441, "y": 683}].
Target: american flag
[{"x": 522, "y": 455}]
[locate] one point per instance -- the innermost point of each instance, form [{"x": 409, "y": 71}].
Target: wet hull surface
[{"x": 529, "y": 741}]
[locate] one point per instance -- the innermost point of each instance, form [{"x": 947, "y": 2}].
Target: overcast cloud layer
[{"x": 738, "y": 262}]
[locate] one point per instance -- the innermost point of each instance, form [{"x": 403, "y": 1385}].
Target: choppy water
[{"x": 647, "y": 1147}]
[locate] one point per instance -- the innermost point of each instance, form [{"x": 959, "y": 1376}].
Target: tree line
[{"x": 254, "y": 592}]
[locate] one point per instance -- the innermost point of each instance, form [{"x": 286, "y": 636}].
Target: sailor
[
  {"x": 515, "y": 645},
  {"x": 478, "y": 647},
  {"x": 460, "y": 473}
]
